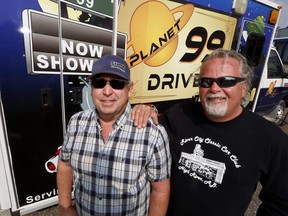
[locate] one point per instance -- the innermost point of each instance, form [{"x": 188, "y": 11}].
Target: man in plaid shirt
[{"x": 115, "y": 168}]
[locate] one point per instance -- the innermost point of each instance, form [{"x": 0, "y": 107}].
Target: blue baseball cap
[{"x": 111, "y": 64}]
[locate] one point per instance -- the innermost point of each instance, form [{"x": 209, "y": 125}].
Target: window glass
[
  {"x": 253, "y": 48},
  {"x": 275, "y": 69}
]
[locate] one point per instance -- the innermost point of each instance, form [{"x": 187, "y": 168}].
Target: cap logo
[{"x": 118, "y": 65}]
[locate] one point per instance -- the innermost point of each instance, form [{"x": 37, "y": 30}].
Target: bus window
[{"x": 253, "y": 48}]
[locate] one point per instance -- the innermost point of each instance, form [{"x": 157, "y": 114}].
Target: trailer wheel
[{"x": 280, "y": 112}]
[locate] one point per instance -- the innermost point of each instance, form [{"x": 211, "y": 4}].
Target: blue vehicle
[{"x": 42, "y": 85}]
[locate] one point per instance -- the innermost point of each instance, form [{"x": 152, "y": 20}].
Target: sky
[{"x": 283, "y": 21}]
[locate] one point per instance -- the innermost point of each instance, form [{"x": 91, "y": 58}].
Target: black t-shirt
[{"x": 216, "y": 166}]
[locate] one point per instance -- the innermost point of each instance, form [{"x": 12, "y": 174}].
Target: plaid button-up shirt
[{"x": 113, "y": 178}]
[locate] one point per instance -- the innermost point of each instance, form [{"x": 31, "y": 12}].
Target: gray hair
[{"x": 245, "y": 70}]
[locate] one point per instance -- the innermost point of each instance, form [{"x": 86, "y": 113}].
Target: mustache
[{"x": 216, "y": 95}]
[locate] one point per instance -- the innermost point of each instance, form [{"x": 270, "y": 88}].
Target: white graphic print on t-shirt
[{"x": 210, "y": 172}]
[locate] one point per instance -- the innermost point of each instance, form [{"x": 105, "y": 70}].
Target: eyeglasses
[
  {"x": 114, "y": 83},
  {"x": 222, "y": 82}
]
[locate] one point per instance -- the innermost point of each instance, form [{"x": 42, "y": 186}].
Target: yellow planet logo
[{"x": 153, "y": 32}]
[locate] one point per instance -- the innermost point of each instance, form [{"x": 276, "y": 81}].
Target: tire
[{"x": 278, "y": 114}]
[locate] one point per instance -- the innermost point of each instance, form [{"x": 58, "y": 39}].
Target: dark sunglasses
[
  {"x": 114, "y": 83},
  {"x": 222, "y": 82}
]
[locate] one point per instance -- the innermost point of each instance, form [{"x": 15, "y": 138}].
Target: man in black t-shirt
[{"x": 220, "y": 150}]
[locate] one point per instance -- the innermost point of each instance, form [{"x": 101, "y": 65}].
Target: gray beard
[{"x": 215, "y": 109}]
